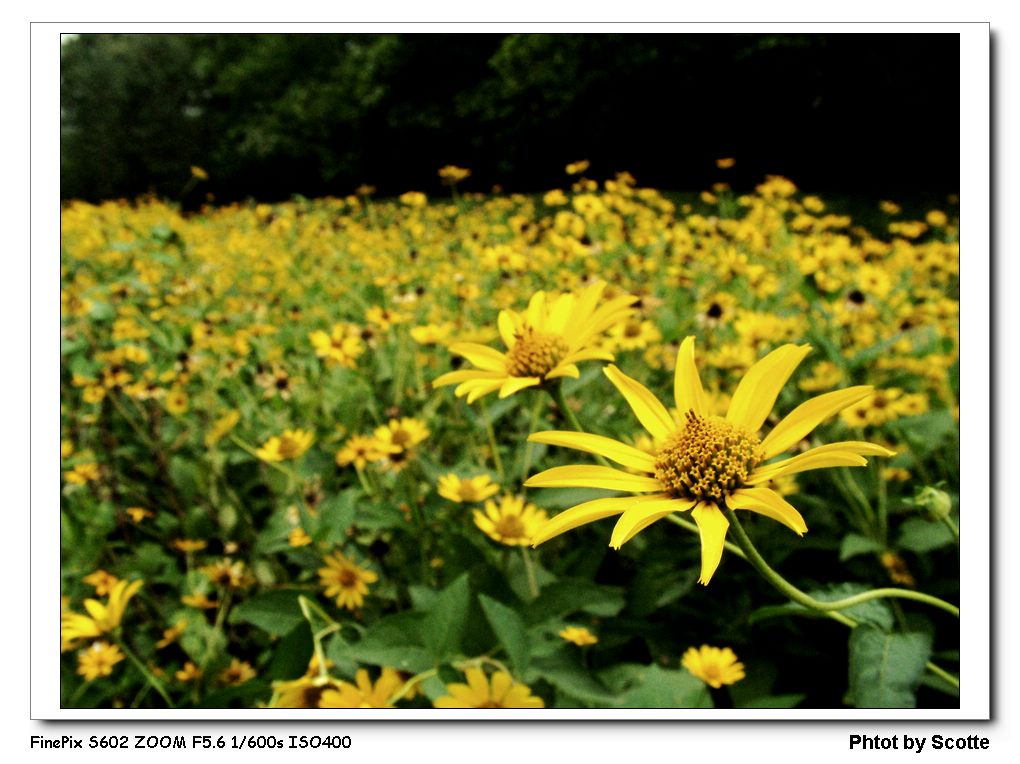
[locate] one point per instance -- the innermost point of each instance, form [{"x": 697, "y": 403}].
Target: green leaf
[
  {"x": 885, "y": 669},
  {"x": 921, "y": 536},
  {"x": 791, "y": 700},
  {"x": 855, "y": 544},
  {"x": 444, "y": 623},
  {"x": 662, "y": 688},
  {"x": 276, "y": 612},
  {"x": 293, "y": 653},
  {"x": 393, "y": 641},
  {"x": 566, "y": 674},
  {"x": 336, "y": 516},
  {"x": 509, "y": 629},
  {"x": 567, "y": 596}
]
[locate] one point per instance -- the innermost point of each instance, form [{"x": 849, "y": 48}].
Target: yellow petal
[
  {"x": 846, "y": 453},
  {"x": 481, "y": 356},
  {"x": 564, "y": 370},
  {"x": 590, "y": 476},
  {"x": 808, "y": 415},
  {"x": 507, "y": 328},
  {"x": 646, "y": 407},
  {"x": 501, "y": 683},
  {"x": 477, "y": 682},
  {"x": 687, "y": 390},
  {"x": 620, "y": 453},
  {"x": 767, "y": 502},
  {"x": 712, "y": 525},
  {"x": 559, "y": 314},
  {"x": 589, "y": 512},
  {"x": 536, "y": 311},
  {"x": 636, "y": 519},
  {"x": 482, "y": 388},
  {"x": 454, "y": 377},
  {"x": 513, "y": 384},
  {"x": 757, "y": 392}
]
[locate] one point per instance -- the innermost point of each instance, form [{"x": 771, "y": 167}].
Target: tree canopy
[{"x": 271, "y": 115}]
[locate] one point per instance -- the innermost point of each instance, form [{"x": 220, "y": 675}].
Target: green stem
[
  {"x": 406, "y": 686},
  {"x": 492, "y": 443},
  {"x": 953, "y": 527},
  {"x": 529, "y": 569},
  {"x": 536, "y": 413},
  {"x": 802, "y": 598},
  {"x": 149, "y": 676},
  {"x": 942, "y": 674},
  {"x": 307, "y": 608},
  {"x": 561, "y": 400},
  {"x": 364, "y": 483}
]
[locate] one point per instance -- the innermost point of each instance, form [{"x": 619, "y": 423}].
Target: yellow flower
[
  {"x": 359, "y": 450},
  {"x": 704, "y": 461},
  {"x": 340, "y": 347},
  {"x": 298, "y": 537},
  {"x": 345, "y": 580},
  {"x": 238, "y": 672},
  {"x": 176, "y": 401},
  {"x": 479, "y": 692},
  {"x": 725, "y": 163},
  {"x": 431, "y": 334},
  {"x": 555, "y": 198},
  {"x": 290, "y": 445},
  {"x": 414, "y": 199},
  {"x": 227, "y": 573},
  {"x": 137, "y": 514},
  {"x": 82, "y": 474},
  {"x": 172, "y": 634},
  {"x": 102, "y": 581},
  {"x": 364, "y": 694},
  {"x": 579, "y": 636},
  {"x": 66, "y": 448},
  {"x": 452, "y": 174},
  {"x": 467, "y": 491},
  {"x": 198, "y": 173},
  {"x": 401, "y": 435},
  {"x": 188, "y": 673},
  {"x": 714, "y": 666},
  {"x": 221, "y": 427},
  {"x": 98, "y": 659},
  {"x": 101, "y": 618},
  {"x": 511, "y": 522},
  {"x": 544, "y": 342},
  {"x": 189, "y": 545},
  {"x": 575, "y": 168},
  {"x": 198, "y": 600}
]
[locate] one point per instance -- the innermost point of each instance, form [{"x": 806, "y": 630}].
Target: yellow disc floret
[
  {"x": 707, "y": 458},
  {"x": 534, "y": 354}
]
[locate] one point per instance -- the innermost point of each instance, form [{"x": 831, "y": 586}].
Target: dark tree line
[{"x": 272, "y": 115}]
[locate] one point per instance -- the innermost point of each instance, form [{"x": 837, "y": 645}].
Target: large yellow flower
[
  {"x": 101, "y": 618},
  {"x": 364, "y": 694},
  {"x": 544, "y": 342},
  {"x": 479, "y": 692},
  {"x": 704, "y": 461}
]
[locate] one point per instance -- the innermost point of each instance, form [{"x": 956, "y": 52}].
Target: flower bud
[{"x": 935, "y": 502}]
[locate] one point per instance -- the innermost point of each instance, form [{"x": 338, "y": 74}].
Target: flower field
[{"x": 601, "y": 447}]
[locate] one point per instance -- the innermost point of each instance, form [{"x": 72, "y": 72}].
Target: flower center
[
  {"x": 510, "y": 527},
  {"x": 707, "y": 458},
  {"x": 534, "y": 354},
  {"x": 347, "y": 578}
]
